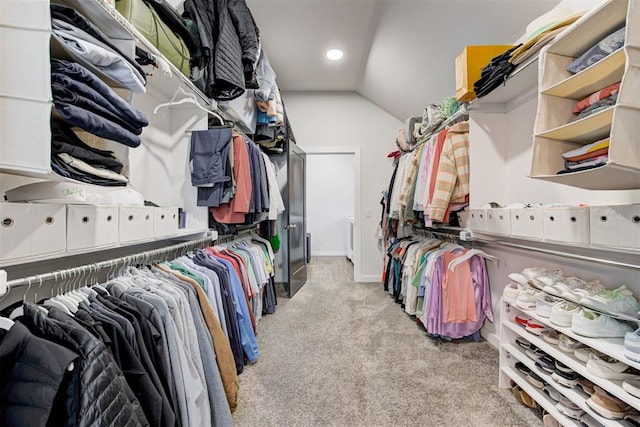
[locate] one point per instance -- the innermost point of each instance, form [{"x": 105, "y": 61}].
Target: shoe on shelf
[
  {"x": 546, "y": 279},
  {"x": 632, "y": 346},
  {"x": 586, "y": 386},
  {"x": 524, "y": 343},
  {"x": 551, "y": 336},
  {"x": 583, "y": 353},
  {"x": 589, "y": 421},
  {"x": 522, "y": 368},
  {"x": 515, "y": 389},
  {"x": 595, "y": 325},
  {"x": 522, "y": 320},
  {"x": 568, "y": 403},
  {"x": 546, "y": 363},
  {"x": 552, "y": 392},
  {"x": 527, "y": 298},
  {"x": 632, "y": 386},
  {"x": 510, "y": 292},
  {"x": 610, "y": 368},
  {"x": 569, "y": 412},
  {"x": 527, "y": 274},
  {"x": 567, "y": 379},
  {"x": 535, "y": 327},
  {"x": 562, "y": 313},
  {"x": 549, "y": 421},
  {"x": 535, "y": 353},
  {"x": 568, "y": 344},
  {"x": 608, "y": 406},
  {"x": 528, "y": 400},
  {"x": 619, "y": 301},
  {"x": 564, "y": 284},
  {"x": 544, "y": 304},
  {"x": 562, "y": 367},
  {"x": 593, "y": 287},
  {"x": 534, "y": 379}
]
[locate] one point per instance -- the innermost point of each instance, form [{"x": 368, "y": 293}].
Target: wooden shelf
[
  {"x": 599, "y": 75},
  {"x": 585, "y": 130}
]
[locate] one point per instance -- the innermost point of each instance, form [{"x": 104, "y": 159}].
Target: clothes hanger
[
  {"x": 54, "y": 302},
  {"x": 190, "y": 98},
  {"x": 454, "y": 263}
]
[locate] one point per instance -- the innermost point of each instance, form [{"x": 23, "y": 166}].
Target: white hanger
[
  {"x": 454, "y": 263},
  {"x": 6, "y": 323},
  {"x": 190, "y": 98}
]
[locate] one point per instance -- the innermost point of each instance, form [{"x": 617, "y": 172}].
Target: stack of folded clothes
[
  {"x": 586, "y": 157},
  {"x": 599, "y": 51},
  {"x": 72, "y": 158},
  {"x": 87, "y": 102},
  {"x": 596, "y": 102}
]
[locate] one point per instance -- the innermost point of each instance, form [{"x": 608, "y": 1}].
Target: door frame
[
  {"x": 294, "y": 147},
  {"x": 357, "y": 209}
]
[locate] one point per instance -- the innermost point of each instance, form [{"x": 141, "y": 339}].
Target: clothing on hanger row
[
  {"x": 444, "y": 285},
  {"x": 159, "y": 345}
]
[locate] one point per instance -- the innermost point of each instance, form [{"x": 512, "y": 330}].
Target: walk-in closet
[{"x": 319, "y": 213}]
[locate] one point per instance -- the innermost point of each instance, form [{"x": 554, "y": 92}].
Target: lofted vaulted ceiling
[{"x": 399, "y": 54}]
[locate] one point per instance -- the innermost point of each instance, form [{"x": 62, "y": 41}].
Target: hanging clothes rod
[
  {"x": 121, "y": 262},
  {"x": 241, "y": 234},
  {"x": 444, "y": 236}
]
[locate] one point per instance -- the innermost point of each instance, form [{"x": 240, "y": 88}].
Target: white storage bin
[
  {"x": 570, "y": 225},
  {"x": 15, "y": 228},
  {"x": 165, "y": 223},
  {"x": 135, "y": 224},
  {"x": 499, "y": 221},
  {"x": 25, "y": 68},
  {"x": 527, "y": 223},
  {"x": 478, "y": 219},
  {"x": 48, "y": 229},
  {"x": 91, "y": 227},
  {"x": 630, "y": 230},
  {"x": 25, "y": 13},
  {"x": 25, "y": 135}
]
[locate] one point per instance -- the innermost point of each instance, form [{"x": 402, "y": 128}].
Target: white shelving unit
[
  {"x": 510, "y": 354},
  {"x": 555, "y": 134}
]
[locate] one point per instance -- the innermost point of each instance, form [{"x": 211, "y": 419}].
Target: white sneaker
[
  {"x": 632, "y": 386},
  {"x": 527, "y": 298},
  {"x": 593, "y": 287},
  {"x": 584, "y": 353},
  {"x": 562, "y": 313},
  {"x": 527, "y": 274},
  {"x": 568, "y": 344},
  {"x": 510, "y": 292},
  {"x": 610, "y": 368},
  {"x": 617, "y": 301},
  {"x": 544, "y": 304},
  {"x": 547, "y": 279},
  {"x": 569, "y": 412},
  {"x": 564, "y": 285},
  {"x": 595, "y": 325}
]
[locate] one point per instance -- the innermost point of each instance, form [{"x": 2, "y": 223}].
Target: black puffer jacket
[
  {"x": 105, "y": 398},
  {"x": 230, "y": 46},
  {"x": 32, "y": 371}
]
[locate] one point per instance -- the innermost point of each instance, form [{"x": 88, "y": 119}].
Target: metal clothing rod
[
  {"x": 448, "y": 237},
  {"x": 560, "y": 253},
  {"x": 237, "y": 236},
  {"x": 138, "y": 258}
]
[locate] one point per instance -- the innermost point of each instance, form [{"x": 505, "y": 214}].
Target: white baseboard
[
  {"x": 492, "y": 338},
  {"x": 328, "y": 253}
]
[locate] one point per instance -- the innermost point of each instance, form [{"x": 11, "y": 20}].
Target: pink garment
[
  {"x": 234, "y": 211},
  {"x": 458, "y": 297}
]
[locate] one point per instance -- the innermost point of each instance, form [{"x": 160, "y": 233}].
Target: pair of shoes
[
  {"x": 596, "y": 325},
  {"x": 584, "y": 353},
  {"x": 522, "y": 396},
  {"x": 632, "y": 346},
  {"x": 510, "y": 292},
  {"x": 608, "y": 406},
  {"x": 568, "y": 344},
  {"x": 551, "y": 336},
  {"x": 564, "y": 284},
  {"x": 586, "y": 386},
  {"x": 531, "y": 325},
  {"x": 527, "y": 298},
  {"x": 619, "y": 301},
  {"x": 610, "y": 368},
  {"x": 570, "y": 411},
  {"x": 544, "y": 304},
  {"x": 562, "y": 313},
  {"x": 546, "y": 363},
  {"x": 567, "y": 379},
  {"x": 549, "y": 421},
  {"x": 526, "y": 276},
  {"x": 585, "y": 289}
]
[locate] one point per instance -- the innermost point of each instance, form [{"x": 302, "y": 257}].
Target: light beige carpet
[{"x": 341, "y": 353}]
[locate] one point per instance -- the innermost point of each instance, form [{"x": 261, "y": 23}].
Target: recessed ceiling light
[{"x": 335, "y": 54}]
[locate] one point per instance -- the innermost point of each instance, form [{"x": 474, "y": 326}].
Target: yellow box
[{"x": 470, "y": 63}]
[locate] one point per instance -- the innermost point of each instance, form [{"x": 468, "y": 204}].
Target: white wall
[
  {"x": 347, "y": 119},
  {"x": 330, "y": 196}
]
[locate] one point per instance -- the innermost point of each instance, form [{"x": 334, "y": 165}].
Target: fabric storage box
[
  {"x": 15, "y": 228},
  {"x": 22, "y": 147},
  {"x": 91, "y": 227},
  {"x": 48, "y": 229},
  {"x": 469, "y": 65},
  {"x": 499, "y": 221},
  {"x": 135, "y": 224},
  {"x": 527, "y": 223},
  {"x": 27, "y": 73},
  {"x": 165, "y": 222},
  {"x": 25, "y": 13},
  {"x": 478, "y": 219},
  {"x": 570, "y": 225},
  {"x": 615, "y": 226}
]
